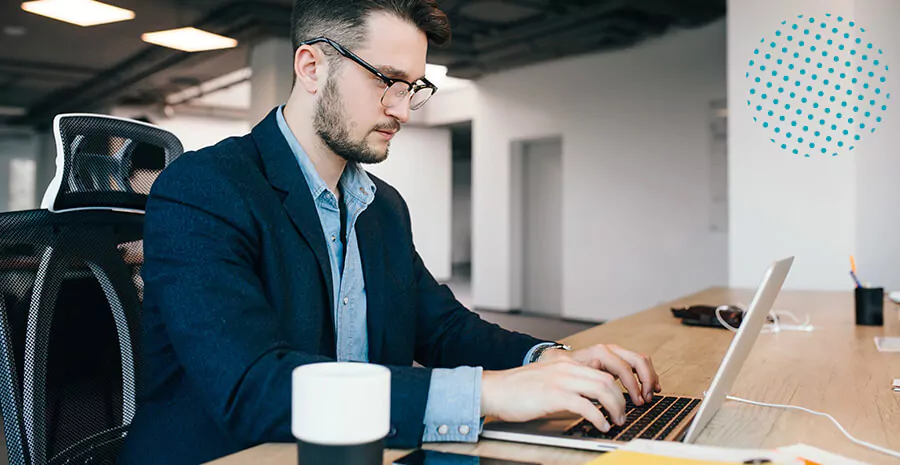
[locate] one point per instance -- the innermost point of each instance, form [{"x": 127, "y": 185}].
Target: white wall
[
  {"x": 820, "y": 209},
  {"x": 636, "y": 160},
  {"x": 419, "y": 167},
  {"x": 454, "y": 106},
  {"x": 540, "y": 190},
  {"x": 878, "y": 161},
  {"x": 197, "y": 132},
  {"x": 781, "y": 204}
]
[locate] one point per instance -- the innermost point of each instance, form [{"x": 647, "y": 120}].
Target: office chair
[{"x": 71, "y": 293}]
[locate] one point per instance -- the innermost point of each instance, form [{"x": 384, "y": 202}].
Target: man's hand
[
  {"x": 538, "y": 389},
  {"x": 621, "y": 363},
  {"x": 566, "y": 381}
]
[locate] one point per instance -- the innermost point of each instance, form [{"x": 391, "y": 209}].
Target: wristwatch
[{"x": 540, "y": 350}]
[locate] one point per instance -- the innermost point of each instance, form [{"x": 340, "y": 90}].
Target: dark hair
[{"x": 343, "y": 20}]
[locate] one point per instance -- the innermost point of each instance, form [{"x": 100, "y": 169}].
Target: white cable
[
  {"x": 883, "y": 450},
  {"x": 722, "y": 320},
  {"x": 775, "y": 326}
]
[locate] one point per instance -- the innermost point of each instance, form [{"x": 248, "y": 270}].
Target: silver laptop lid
[{"x": 740, "y": 346}]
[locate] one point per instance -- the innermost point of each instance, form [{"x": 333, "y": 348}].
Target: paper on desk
[
  {"x": 816, "y": 456},
  {"x": 887, "y": 344},
  {"x": 645, "y": 452}
]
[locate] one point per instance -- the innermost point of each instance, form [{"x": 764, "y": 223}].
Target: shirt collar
[
  {"x": 354, "y": 180},
  {"x": 357, "y": 184}
]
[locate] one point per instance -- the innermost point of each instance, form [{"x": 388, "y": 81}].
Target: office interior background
[{"x": 582, "y": 160}]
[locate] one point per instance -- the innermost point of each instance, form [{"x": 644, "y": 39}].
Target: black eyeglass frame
[{"x": 413, "y": 87}]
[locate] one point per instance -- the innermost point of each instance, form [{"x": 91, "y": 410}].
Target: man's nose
[{"x": 400, "y": 110}]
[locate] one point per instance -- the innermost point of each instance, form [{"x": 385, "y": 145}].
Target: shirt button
[
  {"x": 333, "y": 238},
  {"x": 346, "y": 300},
  {"x": 464, "y": 430},
  {"x": 443, "y": 430}
]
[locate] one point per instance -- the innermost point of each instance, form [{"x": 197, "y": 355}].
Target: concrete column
[
  {"x": 45, "y": 163},
  {"x": 270, "y": 84}
]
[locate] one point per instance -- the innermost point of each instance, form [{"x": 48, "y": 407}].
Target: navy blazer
[{"x": 238, "y": 293}]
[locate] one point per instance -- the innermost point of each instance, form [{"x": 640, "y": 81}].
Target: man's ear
[{"x": 310, "y": 69}]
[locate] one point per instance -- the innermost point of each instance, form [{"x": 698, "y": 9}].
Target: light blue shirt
[{"x": 454, "y": 395}]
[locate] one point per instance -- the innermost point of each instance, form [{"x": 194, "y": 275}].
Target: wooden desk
[{"x": 835, "y": 369}]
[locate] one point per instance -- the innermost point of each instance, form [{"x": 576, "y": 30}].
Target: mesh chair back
[
  {"x": 70, "y": 294},
  {"x": 106, "y": 162}
]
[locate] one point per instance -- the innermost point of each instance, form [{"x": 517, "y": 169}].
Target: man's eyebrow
[{"x": 395, "y": 73}]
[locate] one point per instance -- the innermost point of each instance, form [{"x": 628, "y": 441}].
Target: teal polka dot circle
[{"x": 835, "y": 62}]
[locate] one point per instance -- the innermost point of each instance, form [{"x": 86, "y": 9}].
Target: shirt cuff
[
  {"x": 531, "y": 351},
  {"x": 453, "y": 410}
]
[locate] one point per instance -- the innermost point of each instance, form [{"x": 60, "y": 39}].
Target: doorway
[
  {"x": 461, "y": 206},
  {"x": 537, "y": 224}
]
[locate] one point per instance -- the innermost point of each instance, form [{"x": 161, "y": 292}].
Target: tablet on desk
[{"x": 432, "y": 457}]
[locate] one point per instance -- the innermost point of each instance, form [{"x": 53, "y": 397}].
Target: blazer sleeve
[
  {"x": 200, "y": 247},
  {"x": 449, "y": 335}
]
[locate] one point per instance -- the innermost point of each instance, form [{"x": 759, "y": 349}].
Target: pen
[
  {"x": 853, "y": 275},
  {"x": 853, "y": 271}
]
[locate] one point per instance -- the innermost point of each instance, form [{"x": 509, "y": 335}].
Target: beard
[{"x": 332, "y": 125}]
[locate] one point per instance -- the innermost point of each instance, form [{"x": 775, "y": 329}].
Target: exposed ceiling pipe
[
  {"x": 542, "y": 27},
  {"x": 244, "y": 20},
  {"x": 205, "y": 111},
  {"x": 45, "y": 70},
  {"x": 210, "y": 87},
  {"x": 469, "y": 56}
]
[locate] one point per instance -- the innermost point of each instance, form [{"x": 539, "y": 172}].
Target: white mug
[{"x": 340, "y": 412}]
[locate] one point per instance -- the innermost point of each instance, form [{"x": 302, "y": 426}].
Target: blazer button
[
  {"x": 463, "y": 429},
  {"x": 392, "y": 432},
  {"x": 443, "y": 430}
]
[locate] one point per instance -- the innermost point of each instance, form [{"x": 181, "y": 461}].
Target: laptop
[{"x": 666, "y": 418}]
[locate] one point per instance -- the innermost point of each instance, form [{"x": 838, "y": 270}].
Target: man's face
[{"x": 350, "y": 117}]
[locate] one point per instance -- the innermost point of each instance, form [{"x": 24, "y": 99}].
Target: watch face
[{"x": 540, "y": 351}]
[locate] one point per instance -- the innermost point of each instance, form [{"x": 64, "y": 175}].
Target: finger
[
  {"x": 614, "y": 365},
  {"x": 600, "y": 371},
  {"x": 656, "y": 386},
  {"x": 644, "y": 369},
  {"x": 604, "y": 390},
  {"x": 581, "y": 406}
]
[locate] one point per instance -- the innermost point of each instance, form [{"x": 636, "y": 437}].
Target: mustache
[{"x": 393, "y": 126}]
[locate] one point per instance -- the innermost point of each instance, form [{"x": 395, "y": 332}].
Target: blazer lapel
[
  {"x": 371, "y": 251},
  {"x": 284, "y": 174}
]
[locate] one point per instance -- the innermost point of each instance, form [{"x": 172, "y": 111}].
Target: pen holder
[{"x": 869, "y": 306}]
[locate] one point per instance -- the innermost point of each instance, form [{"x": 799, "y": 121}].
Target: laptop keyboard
[{"x": 653, "y": 420}]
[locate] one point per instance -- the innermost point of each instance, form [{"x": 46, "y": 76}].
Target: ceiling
[{"x": 48, "y": 67}]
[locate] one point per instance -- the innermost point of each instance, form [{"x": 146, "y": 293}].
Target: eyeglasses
[{"x": 395, "y": 89}]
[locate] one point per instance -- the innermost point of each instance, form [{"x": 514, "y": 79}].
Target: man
[{"x": 276, "y": 249}]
